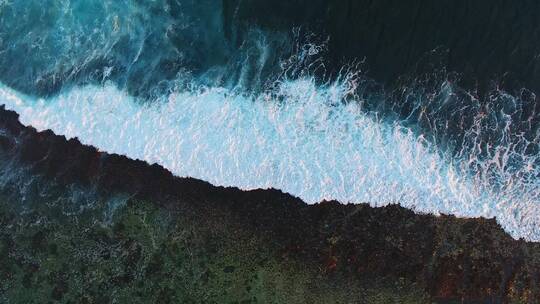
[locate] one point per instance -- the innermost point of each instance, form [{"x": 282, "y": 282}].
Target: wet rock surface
[{"x": 78, "y": 225}]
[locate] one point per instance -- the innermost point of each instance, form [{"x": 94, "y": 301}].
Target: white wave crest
[{"x": 301, "y": 139}]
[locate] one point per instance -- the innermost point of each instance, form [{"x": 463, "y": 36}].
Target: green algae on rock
[{"x": 78, "y": 226}]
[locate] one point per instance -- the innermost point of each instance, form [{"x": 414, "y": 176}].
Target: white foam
[{"x": 306, "y": 142}]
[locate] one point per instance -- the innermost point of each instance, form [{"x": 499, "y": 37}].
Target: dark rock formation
[{"x": 345, "y": 252}]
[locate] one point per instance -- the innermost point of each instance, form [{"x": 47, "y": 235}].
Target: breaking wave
[{"x": 312, "y": 141}]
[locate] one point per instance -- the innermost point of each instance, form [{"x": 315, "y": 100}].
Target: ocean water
[{"x": 163, "y": 82}]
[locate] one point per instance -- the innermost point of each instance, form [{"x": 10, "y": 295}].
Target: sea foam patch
[{"x": 300, "y": 138}]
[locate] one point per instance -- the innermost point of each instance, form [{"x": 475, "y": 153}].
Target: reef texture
[{"x": 145, "y": 236}]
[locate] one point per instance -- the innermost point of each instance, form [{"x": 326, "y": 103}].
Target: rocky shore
[{"x": 81, "y": 226}]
